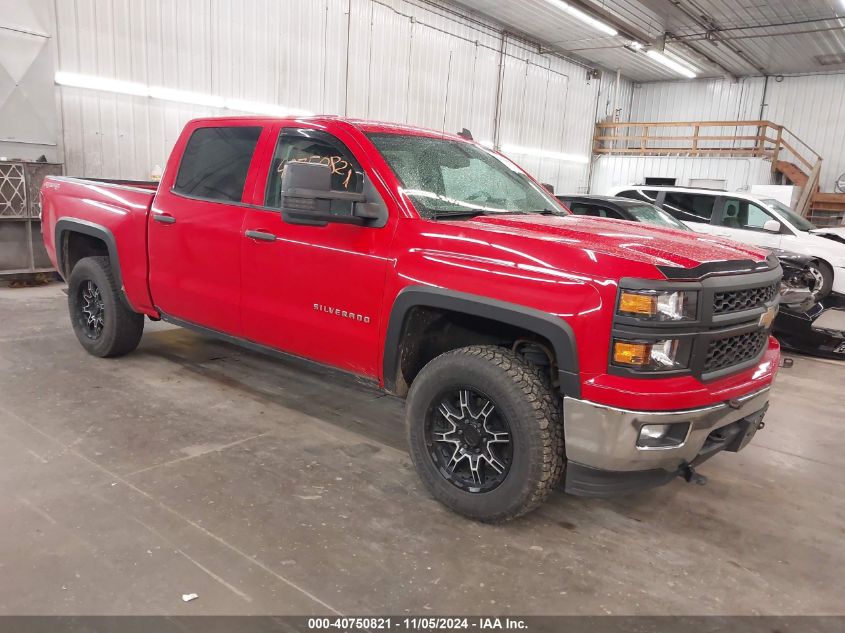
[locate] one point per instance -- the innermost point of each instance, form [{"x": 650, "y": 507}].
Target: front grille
[
  {"x": 734, "y": 350},
  {"x": 747, "y": 299}
]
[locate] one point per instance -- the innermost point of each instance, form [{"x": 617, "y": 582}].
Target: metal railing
[{"x": 710, "y": 139}]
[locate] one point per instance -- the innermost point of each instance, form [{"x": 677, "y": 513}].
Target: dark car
[{"x": 621, "y": 209}]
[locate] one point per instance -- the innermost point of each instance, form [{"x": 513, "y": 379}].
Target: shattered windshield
[{"x": 445, "y": 177}]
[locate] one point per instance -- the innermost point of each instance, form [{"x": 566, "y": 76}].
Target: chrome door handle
[
  {"x": 264, "y": 236},
  {"x": 164, "y": 218}
]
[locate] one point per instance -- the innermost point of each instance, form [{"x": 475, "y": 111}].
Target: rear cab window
[
  {"x": 646, "y": 195},
  {"x": 216, "y": 161},
  {"x": 594, "y": 210}
]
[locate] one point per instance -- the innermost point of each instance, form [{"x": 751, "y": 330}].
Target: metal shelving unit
[{"x": 21, "y": 249}]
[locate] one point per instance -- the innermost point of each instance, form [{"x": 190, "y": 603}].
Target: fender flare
[
  {"x": 73, "y": 225},
  {"x": 554, "y": 329}
]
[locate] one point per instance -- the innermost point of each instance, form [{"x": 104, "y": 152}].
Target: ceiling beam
[{"x": 713, "y": 29}]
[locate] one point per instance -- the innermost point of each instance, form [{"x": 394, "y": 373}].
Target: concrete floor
[{"x": 194, "y": 466}]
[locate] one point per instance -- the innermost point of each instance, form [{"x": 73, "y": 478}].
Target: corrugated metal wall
[
  {"x": 811, "y": 106},
  {"x": 397, "y": 60}
]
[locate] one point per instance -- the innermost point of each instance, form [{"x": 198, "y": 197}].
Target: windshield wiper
[{"x": 467, "y": 213}]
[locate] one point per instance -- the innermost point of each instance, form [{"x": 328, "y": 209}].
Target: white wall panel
[
  {"x": 738, "y": 173},
  {"x": 813, "y": 107},
  {"x": 395, "y": 60}
]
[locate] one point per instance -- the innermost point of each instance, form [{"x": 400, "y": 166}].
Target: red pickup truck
[{"x": 531, "y": 344}]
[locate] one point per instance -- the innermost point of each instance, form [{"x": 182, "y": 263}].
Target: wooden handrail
[
  {"x": 618, "y": 124},
  {"x": 807, "y": 192}
]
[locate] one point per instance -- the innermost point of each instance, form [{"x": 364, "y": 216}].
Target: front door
[
  {"x": 195, "y": 228},
  {"x": 314, "y": 291},
  {"x": 743, "y": 221}
]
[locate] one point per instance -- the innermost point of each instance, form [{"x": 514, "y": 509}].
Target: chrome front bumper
[{"x": 605, "y": 438}]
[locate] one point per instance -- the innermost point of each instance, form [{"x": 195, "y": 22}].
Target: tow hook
[
  {"x": 761, "y": 425},
  {"x": 691, "y": 476},
  {"x": 786, "y": 363}
]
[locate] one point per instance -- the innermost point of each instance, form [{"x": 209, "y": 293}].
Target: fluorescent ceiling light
[
  {"x": 183, "y": 96},
  {"x": 101, "y": 83},
  {"x": 92, "y": 82},
  {"x": 269, "y": 109},
  {"x": 671, "y": 64},
  {"x": 584, "y": 17},
  {"x": 542, "y": 153},
  {"x": 680, "y": 60}
]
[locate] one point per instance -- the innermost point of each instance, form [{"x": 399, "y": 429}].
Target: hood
[
  {"x": 837, "y": 234},
  {"x": 632, "y": 241}
]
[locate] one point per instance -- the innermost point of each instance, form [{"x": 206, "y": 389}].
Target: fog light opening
[{"x": 663, "y": 435}]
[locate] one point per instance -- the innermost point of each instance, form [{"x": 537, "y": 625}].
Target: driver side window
[
  {"x": 316, "y": 148},
  {"x": 741, "y": 214}
]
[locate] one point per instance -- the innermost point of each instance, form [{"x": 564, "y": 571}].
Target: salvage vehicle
[
  {"x": 748, "y": 219},
  {"x": 532, "y": 345},
  {"x": 799, "y": 325},
  {"x": 621, "y": 209},
  {"x": 804, "y": 324}
]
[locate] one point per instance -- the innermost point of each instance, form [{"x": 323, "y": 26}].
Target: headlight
[
  {"x": 656, "y": 305},
  {"x": 665, "y": 355}
]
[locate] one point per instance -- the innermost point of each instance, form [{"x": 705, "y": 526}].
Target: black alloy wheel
[
  {"x": 91, "y": 311},
  {"x": 469, "y": 440}
]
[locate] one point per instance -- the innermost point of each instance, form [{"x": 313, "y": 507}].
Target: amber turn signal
[
  {"x": 636, "y": 303},
  {"x": 636, "y": 354}
]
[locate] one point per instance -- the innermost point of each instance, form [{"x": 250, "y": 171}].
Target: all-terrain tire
[
  {"x": 94, "y": 296},
  {"x": 533, "y": 416}
]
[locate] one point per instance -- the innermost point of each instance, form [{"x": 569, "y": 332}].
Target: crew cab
[
  {"x": 532, "y": 345},
  {"x": 749, "y": 219}
]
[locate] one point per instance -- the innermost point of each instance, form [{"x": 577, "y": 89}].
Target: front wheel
[
  {"x": 102, "y": 322},
  {"x": 822, "y": 279},
  {"x": 484, "y": 433}
]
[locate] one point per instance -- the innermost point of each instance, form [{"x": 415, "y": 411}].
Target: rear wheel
[
  {"x": 102, "y": 322},
  {"x": 484, "y": 433}
]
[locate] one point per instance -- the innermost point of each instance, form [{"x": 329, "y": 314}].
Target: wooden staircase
[
  {"x": 792, "y": 159},
  {"x": 792, "y": 172},
  {"x": 826, "y": 209}
]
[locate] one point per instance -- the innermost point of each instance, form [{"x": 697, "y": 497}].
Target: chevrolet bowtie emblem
[{"x": 768, "y": 317}]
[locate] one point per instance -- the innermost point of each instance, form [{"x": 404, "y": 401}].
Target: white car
[{"x": 753, "y": 220}]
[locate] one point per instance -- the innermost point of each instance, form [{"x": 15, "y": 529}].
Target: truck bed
[{"x": 111, "y": 211}]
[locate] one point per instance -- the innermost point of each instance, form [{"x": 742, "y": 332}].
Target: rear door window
[
  {"x": 689, "y": 207},
  {"x": 216, "y": 161}
]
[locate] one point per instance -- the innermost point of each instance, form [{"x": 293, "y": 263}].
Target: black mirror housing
[{"x": 308, "y": 198}]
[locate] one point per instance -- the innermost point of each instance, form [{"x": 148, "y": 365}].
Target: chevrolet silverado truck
[{"x": 531, "y": 345}]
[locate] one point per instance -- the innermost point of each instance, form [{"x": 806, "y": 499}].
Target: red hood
[{"x": 619, "y": 238}]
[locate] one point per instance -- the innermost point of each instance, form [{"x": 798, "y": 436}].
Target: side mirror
[
  {"x": 308, "y": 198},
  {"x": 772, "y": 226}
]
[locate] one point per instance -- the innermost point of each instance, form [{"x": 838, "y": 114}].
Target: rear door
[{"x": 195, "y": 227}]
